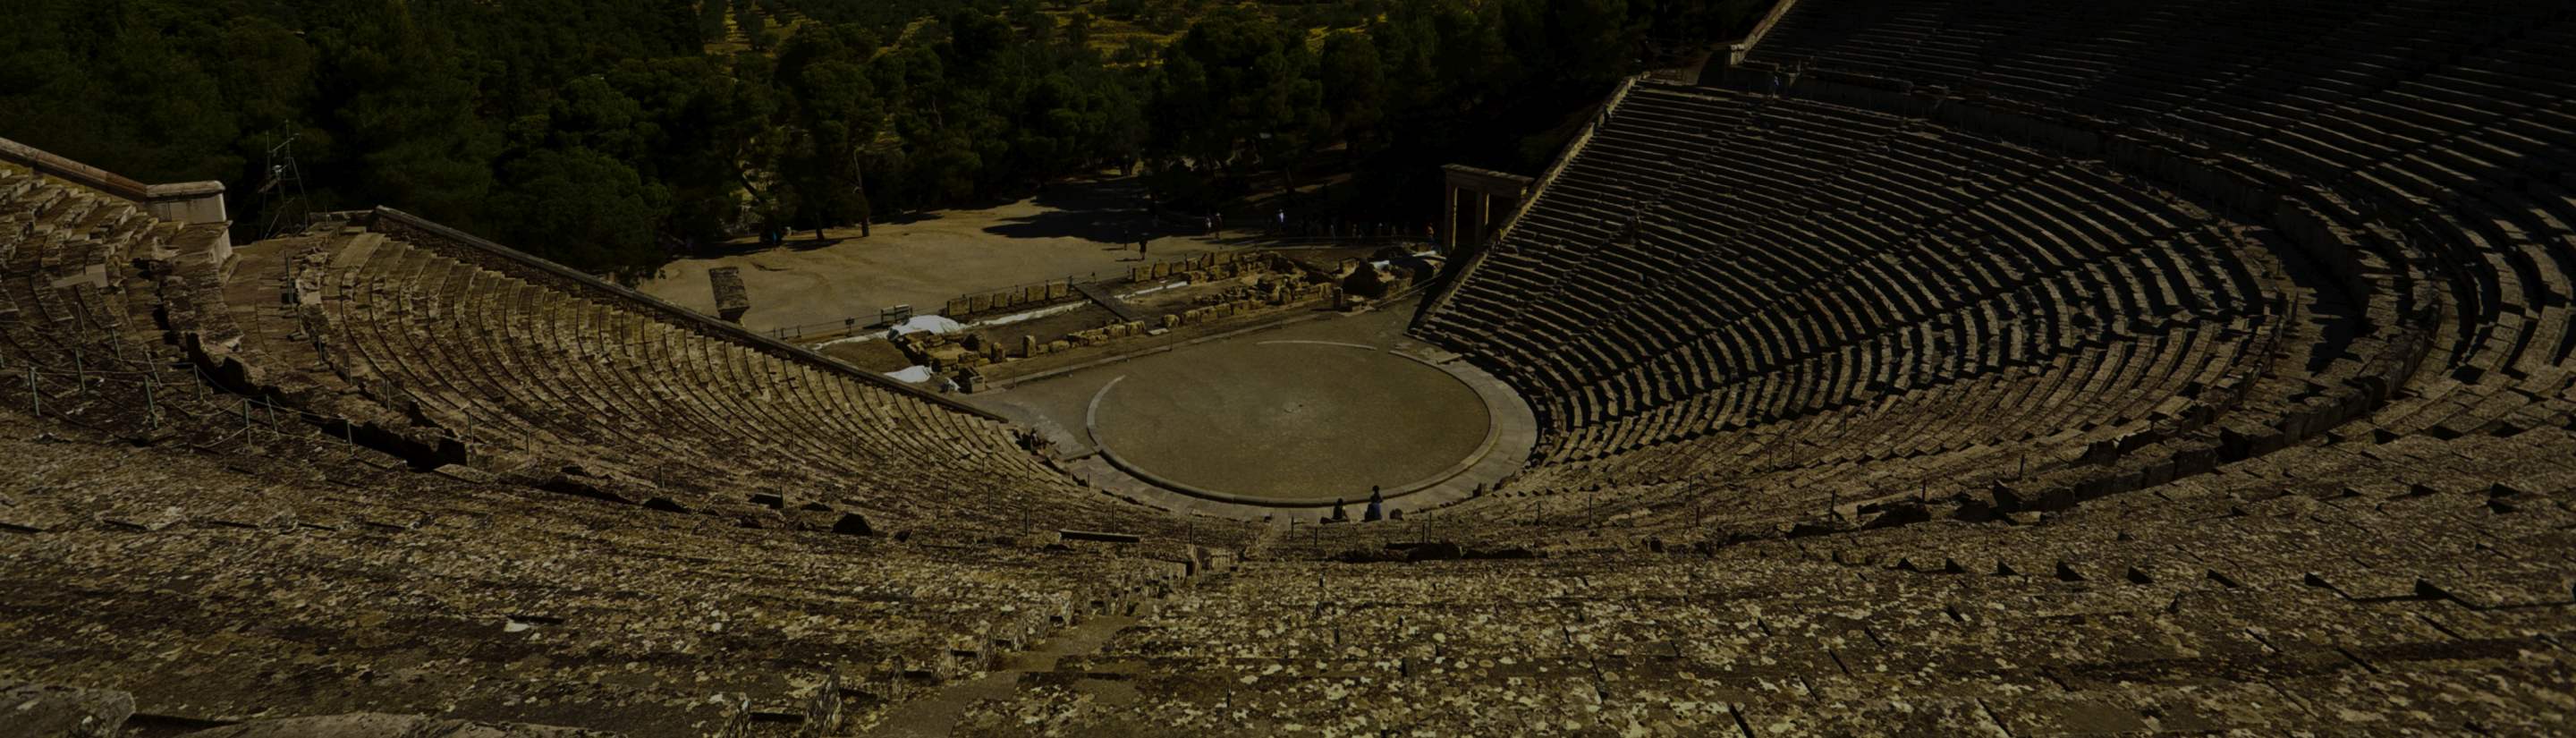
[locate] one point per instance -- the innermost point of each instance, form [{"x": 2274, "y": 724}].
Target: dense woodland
[{"x": 610, "y": 134}]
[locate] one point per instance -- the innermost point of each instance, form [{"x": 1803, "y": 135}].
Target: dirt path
[{"x": 1071, "y": 229}]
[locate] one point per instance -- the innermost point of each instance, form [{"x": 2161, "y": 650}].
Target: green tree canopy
[{"x": 503, "y": 117}]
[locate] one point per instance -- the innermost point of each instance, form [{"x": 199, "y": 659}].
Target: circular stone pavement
[{"x": 1289, "y": 422}]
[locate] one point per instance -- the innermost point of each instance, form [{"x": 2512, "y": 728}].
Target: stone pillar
[
  {"x": 1484, "y": 215},
  {"x": 1449, "y": 221},
  {"x": 731, "y": 299},
  {"x": 1471, "y": 222}
]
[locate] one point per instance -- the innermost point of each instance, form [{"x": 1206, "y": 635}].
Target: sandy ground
[
  {"x": 1071, "y": 229},
  {"x": 1416, "y": 424},
  {"x": 1285, "y": 420}
]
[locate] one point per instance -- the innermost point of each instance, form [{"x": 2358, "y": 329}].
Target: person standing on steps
[{"x": 1376, "y": 508}]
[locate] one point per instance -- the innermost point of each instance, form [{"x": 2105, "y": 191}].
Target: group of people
[{"x": 1377, "y": 509}]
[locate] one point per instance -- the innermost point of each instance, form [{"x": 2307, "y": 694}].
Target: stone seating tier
[{"x": 1800, "y": 272}]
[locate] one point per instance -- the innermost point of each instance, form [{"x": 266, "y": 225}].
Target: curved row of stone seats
[
  {"x": 2482, "y": 521},
  {"x": 78, "y": 319},
  {"x": 2464, "y": 179},
  {"x": 2467, "y": 182},
  {"x": 230, "y": 587},
  {"x": 2333, "y": 581},
  {"x": 1825, "y": 382},
  {"x": 2467, "y": 172},
  {"x": 1943, "y": 439},
  {"x": 2016, "y": 328},
  {"x": 123, "y": 325},
  {"x": 239, "y": 325},
  {"x": 128, "y": 325},
  {"x": 523, "y": 378},
  {"x": 1608, "y": 287},
  {"x": 2438, "y": 128},
  {"x": 1766, "y": 640},
  {"x": 2422, "y": 185},
  {"x": 1810, "y": 269},
  {"x": 1950, "y": 438},
  {"x": 161, "y": 484}
]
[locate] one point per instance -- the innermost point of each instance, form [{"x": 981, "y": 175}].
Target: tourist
[
  {"x": 1339, "y": 515},
  {"x": 1376, "y": 508}
]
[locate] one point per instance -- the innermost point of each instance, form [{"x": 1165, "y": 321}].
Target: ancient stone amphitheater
[{"x": 2002, "y": 367}]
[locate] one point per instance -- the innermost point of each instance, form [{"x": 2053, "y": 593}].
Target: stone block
[{"x": 45, "y": 710}]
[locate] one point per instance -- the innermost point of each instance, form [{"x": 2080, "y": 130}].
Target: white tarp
[
  {"x": 1034, "y": 314},
  {"x": 931, "y": 323},
  {"x": 914, "y": 374}
]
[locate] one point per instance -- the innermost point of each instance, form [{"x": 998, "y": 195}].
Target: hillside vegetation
[{"x": 610, "y": 134}]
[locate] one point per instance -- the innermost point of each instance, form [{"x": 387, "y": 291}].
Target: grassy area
[
  {"x": 1110, "y": 35},
  {"x": 781, "y": 27}
]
